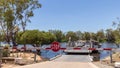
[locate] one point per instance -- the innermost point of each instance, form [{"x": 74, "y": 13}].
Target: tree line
[
  {"x": 42, "y": 37},
  {"x": 46, "y": 37}
]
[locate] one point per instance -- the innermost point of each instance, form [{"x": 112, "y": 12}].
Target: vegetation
[
  {"x": 15, "y": 14},
  {"x": 117, "y": 31},
  {"x": 41, "y": 37}
]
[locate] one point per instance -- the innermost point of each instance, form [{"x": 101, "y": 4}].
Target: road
[
  {"x": 73, "y": 58},
  {"x": 65, "y": 61}
]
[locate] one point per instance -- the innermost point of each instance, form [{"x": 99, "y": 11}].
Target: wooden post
[
  {"x": 35, "y": 54},
  {"x": 0, "y": 57},
  {"x": 111, "y": 57}
]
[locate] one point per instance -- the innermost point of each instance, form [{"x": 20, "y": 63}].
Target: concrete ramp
[
  {"x": 51, "y": 64},
  {"x": 65, "y": 61},
  {"x": 73, "y": 58}
]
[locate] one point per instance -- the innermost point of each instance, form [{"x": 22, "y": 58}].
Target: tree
[
  {"x": 110, "y": 35},
  {"x": 100, "y": 36},
  {"x": 117, "y": 31},
  {"x": 15, "y": 13},
  {"x": 58, "y": 34},
  {"x": 71, "y": 35},
  {"x": 94, "y": 36},
  {"x": 30, "y": 37},
  {"x": 86, "y": 36},
  {"x": 48, "y": 38},
  {"x": 117, "y": 24},
  {"x": 79, "y": 34},
  {"x": 117, "y": 36},
  {"x": 35, "y": 37},
  {"x": 64, "y": 38}
]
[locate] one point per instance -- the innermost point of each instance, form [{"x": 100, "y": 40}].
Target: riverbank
[
  {"x": 25, "y": 58},
  {"x": 101, "y": 65},
  {"x": 116, "y": 57},
  {"x": 106, "y": 62}
]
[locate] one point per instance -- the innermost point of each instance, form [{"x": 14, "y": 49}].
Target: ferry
[{"x": 81, "y": 46}]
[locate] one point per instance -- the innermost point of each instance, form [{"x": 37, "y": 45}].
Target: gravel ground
[
  {"x": 9, "y": 65},
  {"x": 100, "y": 65},
  {"x": 27, "y": 57}
]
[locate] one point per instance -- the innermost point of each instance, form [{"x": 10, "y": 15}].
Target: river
[
  {"x": 105, "y": 53},
  {"x": 50, "y": 53}
]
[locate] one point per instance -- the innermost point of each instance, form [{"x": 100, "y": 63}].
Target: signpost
[{"x": 55, "y": 46}]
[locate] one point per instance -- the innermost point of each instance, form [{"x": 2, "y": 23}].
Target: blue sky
[{"x": 74, "y": 15}]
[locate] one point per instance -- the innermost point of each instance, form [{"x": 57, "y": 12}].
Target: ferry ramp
[
  {"x": 65, "y": 61},
  {"x": 73, "y": 58}
]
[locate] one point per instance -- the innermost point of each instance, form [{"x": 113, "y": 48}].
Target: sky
[{"x": 75, "y": 15}]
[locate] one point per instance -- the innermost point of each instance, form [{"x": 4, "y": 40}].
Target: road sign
[{"x": 55, "y": 46}]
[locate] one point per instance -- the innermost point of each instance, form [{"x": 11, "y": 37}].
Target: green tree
[
  {"x": 31, "y": 37},
  {"x": 58, "y": 34},
  {"x": 86, "y": 36},
  {"x": 48, "y": 37},
  {"x": 64, "y": 38},
  {"x": 15, "y": 13},
  {"x": 94, "y": 36},
  {"x": 71, "y": 35},
  {"x": 100, "y": 36}
]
